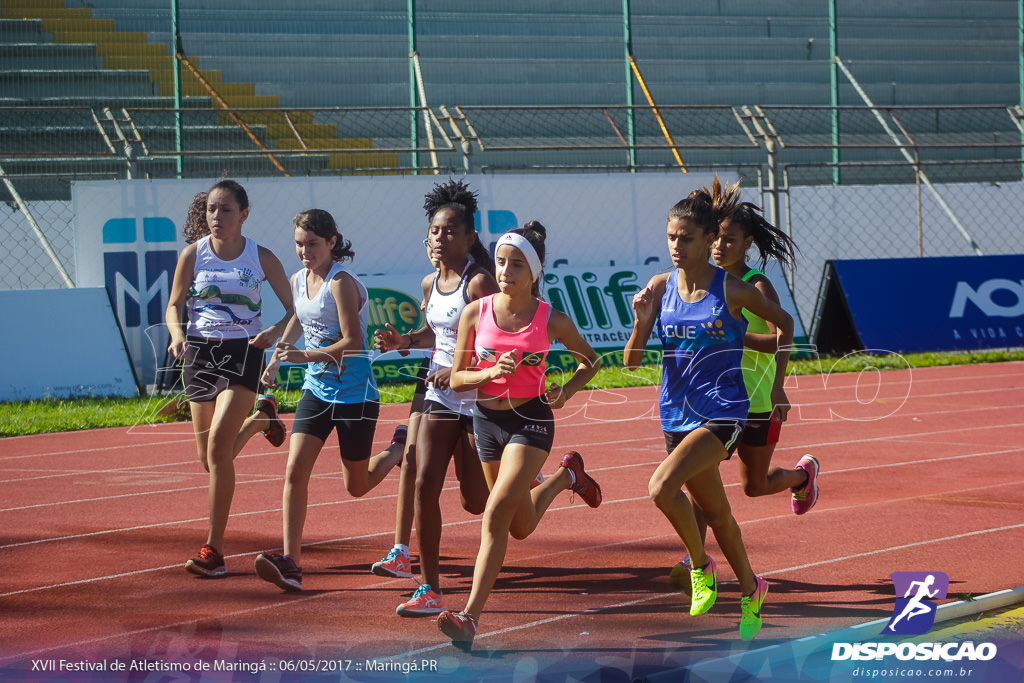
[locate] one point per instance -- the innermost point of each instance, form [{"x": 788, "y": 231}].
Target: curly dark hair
[
  {"x": 457, "y": 197},
  {"x": 196, "y": 227}
]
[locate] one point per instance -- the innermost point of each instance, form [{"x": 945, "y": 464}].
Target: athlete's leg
[
  {"x": 473, "y": 487},
  {"x": 231, "y": 407},
  {"x": 708, "y": 493},
  {"x": 438, "y": 435},
  {"x": 302, "y": 454},
  {"x": 510, "y": 480},
  {"x": 699, "y": 451}
]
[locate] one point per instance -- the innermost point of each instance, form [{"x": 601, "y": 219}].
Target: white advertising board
[{"x": 128, "y": 234}]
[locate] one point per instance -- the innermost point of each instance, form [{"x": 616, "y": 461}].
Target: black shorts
[
  {"x": 531, "y": 424},
  {"x": 725, "y": 430},
  {"x": 421, "y": 387},
  {"x": 443, "y": 412},
  {"x": 354, "y": 422},
  {"x": 213, "y": 364},
  {"x": 762, "y": 429}
]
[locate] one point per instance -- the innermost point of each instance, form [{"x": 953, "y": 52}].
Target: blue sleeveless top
[
  {"x": 351, "y": 379},
  {"x": 702, "y": 376}
]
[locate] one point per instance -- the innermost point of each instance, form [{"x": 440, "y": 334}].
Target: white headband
[{"x": 522, "y": 244}]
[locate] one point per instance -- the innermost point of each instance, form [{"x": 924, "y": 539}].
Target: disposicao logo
[{"x": 914, "y": 613}]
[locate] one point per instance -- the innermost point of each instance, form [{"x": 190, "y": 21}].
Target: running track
[{"x": 923, "y": 470}]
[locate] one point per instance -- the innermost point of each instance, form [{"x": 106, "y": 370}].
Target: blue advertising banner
[{"x": 933, "y": 304}]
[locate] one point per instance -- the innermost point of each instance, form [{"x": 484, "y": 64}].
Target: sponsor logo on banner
[
  {"x": 391, "y": 306},
  {"x": 139, "y": 279}
]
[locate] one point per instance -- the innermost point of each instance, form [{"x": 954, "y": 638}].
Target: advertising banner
[
  {"x": 933, "y": 304},
  {"x": 606, "y": 237}
]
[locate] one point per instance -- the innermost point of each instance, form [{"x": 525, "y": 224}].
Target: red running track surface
[{"x": 922, "y": 470}]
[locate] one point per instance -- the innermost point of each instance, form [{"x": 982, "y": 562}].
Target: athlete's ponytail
[
  {"x": 771, "y": 242},
  {"x": 707, "y": 208}
]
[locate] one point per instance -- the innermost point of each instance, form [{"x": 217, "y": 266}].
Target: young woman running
[
  {"x": 768, "y": 402},
  {"x": 264, "y": 419},
  {"x": 446, "y": 425},
  {"x": 745, "y": 228},
  {"x": 339, "y": 393},
  {"x": 397, "y": 562},
  {"x": 220, "y": 276},
  {"x": 697, "y": 310},
  {"x": 508, "y": 335}
]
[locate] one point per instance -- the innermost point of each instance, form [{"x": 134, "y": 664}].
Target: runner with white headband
[{"x": 502, "y": 344}]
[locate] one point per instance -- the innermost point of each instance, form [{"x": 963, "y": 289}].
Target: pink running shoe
[
  {"x": 806, "y": 496},
  {"x": 585, "y": 485}
]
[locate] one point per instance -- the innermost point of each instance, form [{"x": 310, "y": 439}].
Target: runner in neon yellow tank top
[{"x": 768, "y": 403}]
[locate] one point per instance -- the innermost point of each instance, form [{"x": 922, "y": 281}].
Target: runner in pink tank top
[{"x": 508, "y": 335}]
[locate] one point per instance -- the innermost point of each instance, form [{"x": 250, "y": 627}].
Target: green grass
[{"x": 62, "y": 415}]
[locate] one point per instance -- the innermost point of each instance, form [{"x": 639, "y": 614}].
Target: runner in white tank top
[{"x": 444, "y": 426}]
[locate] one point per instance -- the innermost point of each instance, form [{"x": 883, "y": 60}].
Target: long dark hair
[
  {"x": 456, "y": 196},
  {"x": 322, "y": 223},
  {"x": 196, "y": 226},
  {"x": 771, "y": 242}
]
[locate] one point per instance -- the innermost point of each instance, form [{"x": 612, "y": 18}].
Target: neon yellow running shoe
[
  {"x": 750, "y": 607},
  {"x": 704, "y": 585}
]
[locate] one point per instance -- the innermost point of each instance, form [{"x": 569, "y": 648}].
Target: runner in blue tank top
[{"x": 697, "y": 309}]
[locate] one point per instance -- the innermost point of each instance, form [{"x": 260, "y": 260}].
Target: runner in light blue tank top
[
  {"x": 339, "y": 393},
  {"x": 698, "y": 312}
]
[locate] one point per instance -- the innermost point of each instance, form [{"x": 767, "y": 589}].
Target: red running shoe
[
  {"x": 585, "y": 485},
  {"x": 458, "y": 626},
  {"x": 267, "y": 404}
]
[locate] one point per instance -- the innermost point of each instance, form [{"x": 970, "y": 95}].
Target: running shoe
[
  {"x": 750, "y": 607},
  {"x": 704, "y": 585},
  {"x": 585, "y": 485},
  {"x": 401, "y": 434},
  {"x": 395, "y": 565},
  {"x": 274, "y": 432},
  {"x": 806, "y": 496},
  {"x": 208, "y": 562},
  {"x": 424, "y": 602},
  {"x": 279, "y": 570},
  {"x": 458, "y": 626},
  {"x": 537, "y": 481},
  {"x": 680, "y": 575}
]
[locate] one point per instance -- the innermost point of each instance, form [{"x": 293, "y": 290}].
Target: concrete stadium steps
[
  {"x": 122, "y": 53},
  {"x": 34, "y": 56}
]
